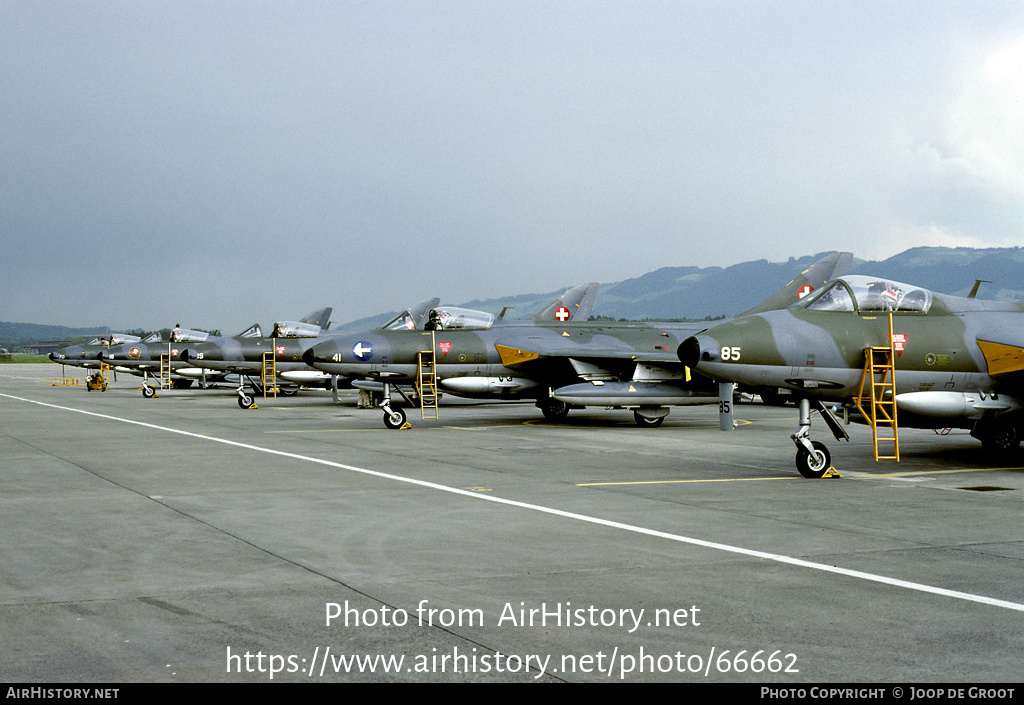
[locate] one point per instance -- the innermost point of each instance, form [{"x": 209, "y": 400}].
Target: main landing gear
[
  {"x": 999, "y": 435},
  {"x": 812, "y": 457},
  {"x": 553, "y": 409}
]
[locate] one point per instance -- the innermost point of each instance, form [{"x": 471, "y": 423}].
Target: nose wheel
[
  {"x": 245, "y": 400},
  {"x": 393, "y": 418},
  {"x": 812, "y": 457},
  {"x": 815, "y": 462}
]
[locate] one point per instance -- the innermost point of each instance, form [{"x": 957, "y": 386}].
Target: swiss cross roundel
[{"x": 562, "y": 314}]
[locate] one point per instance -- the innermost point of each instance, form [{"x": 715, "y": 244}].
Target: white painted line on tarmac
[{"x": 778, "y": 558}]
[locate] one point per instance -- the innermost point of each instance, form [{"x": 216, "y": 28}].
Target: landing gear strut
[
  {"x": 147, "y": 391},
  {"x": 393, "y": 418},
  {"x": 812, "y": 457},
  {"x": 245, "y": 400}
]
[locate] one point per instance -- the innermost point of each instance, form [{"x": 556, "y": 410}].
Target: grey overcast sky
[{"x": 217, "y": 163}]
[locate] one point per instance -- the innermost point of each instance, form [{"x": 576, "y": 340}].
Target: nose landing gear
[
  {"x": 394, "y": 418},
  {"x": 812, "y": 457}
]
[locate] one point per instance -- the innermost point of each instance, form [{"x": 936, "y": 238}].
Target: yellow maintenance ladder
[
  {"x": 165, "y": 368},
  {"x": 268, "y": 374},
  {"x": 878, "y": 391},
  {"x": 426, "y": 381}
]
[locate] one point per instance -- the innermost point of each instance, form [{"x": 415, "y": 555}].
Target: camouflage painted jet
[
  {"x": 632, "y": 365},
  {"x": 244, "y": 356},
  {"x": 956, "y": 362}
]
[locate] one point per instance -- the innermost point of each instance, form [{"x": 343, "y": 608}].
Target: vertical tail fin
[
  {"x": 574, "y": 305},
  {"x": 825, "y": 269}
]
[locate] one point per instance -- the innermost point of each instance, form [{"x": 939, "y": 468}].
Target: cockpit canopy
[
  {"x": 450, "y": 318},
  {"x": 866, "y": 294},
  {"x": 295, "y": 329},
  {"x": 115, "y": 339},
  {"x": 187, "y": 335}
]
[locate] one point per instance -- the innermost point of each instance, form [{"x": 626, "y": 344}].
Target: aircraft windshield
[
  {"x": 871, "y": 295},
  {"x": 402, "y": 321}
]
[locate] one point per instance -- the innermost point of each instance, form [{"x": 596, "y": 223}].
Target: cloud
[
  {"x": 970, "y": 176},
  {"x": 987, "y": 123},
  {"x": 235, "y": 161}
]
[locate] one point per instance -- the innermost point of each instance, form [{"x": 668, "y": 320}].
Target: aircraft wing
[
  {"x": 1003, "y": 351},
  {"x": 512, "y": 357}
]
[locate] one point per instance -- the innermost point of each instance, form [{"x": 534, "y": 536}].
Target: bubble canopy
[{"x": 864, "y": 294}]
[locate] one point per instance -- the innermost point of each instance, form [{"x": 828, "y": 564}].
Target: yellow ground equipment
[{"x": 878, "y": 393}]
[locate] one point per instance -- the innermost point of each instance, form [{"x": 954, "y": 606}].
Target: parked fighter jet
[
  {"x": 88, "y": 355},
  {"x": 630, "y": 365},
  {"x": 244, "y": 357},
  {"x": 651, "y": 386},
  {"x": 390, "y": 357},
  {"x": 144, "y": 358},
  {"x": 956, "y": 362},
  {"x": 309, "y": 326}
]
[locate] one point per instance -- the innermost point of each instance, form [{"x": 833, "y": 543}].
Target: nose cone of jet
[
  {"x": 699, "y": 349},
  {"x": 72, "y": 352},
  {"x": 320, "y": 353},
  {"x": 197, "y": 353}
]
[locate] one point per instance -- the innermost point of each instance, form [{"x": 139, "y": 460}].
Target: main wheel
[
  {"x": 815, "y": 464},
  {"x": 245, "y": 401},
  {"x": 396, "y": 419},
  {"x": 554, "y": 410},
  {"x": 1001, "y": 437},
  {"x": 645, "y": 422},
  {"x": 148, "y": 392}
]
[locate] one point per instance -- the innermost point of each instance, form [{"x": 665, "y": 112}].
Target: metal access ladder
[
  {"x": 878, "y": 394},
  {"x": 165, "y": 368},
  {"x": 426, "y": 383},
  {"x": 268, "y": 375}
]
